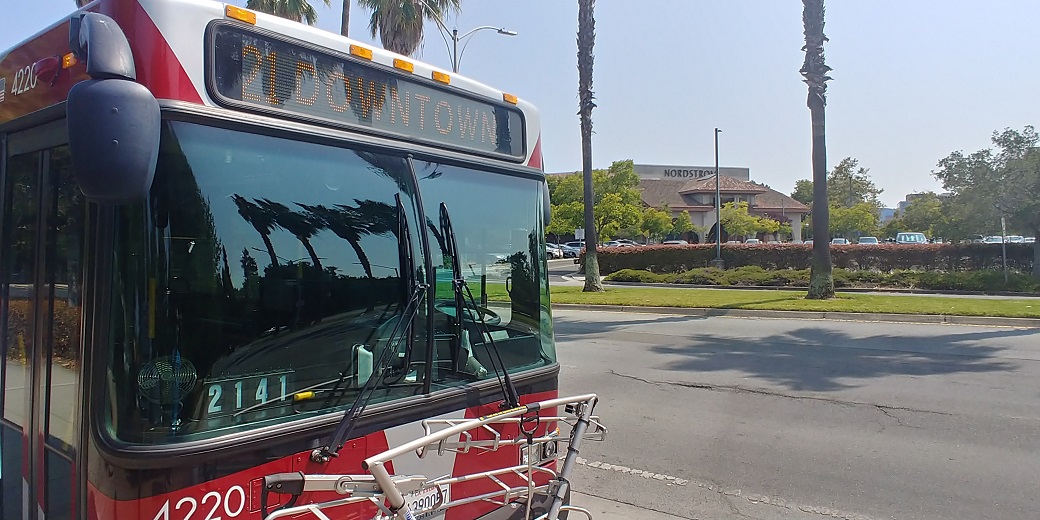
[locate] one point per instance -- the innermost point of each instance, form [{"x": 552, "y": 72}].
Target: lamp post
[
  {"x": 456, "y": 56},
  {"x": 718, "y": 207},
  {"x": 453, "y": 49}
]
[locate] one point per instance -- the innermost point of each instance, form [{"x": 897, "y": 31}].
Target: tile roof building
[{"x": 692, "y": 189}]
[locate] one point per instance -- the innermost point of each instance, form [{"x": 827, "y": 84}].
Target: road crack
[{"x": 772, "y": 393}]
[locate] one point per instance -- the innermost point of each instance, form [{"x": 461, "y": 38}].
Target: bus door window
[
  {"x": 44, "y": 229},
  {"x": 21, "y": 200},
  {"x": 65, "y": 242}
]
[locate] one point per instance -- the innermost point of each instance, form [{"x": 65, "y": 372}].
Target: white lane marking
[
  {"x": 755, "y": 498},
  {"x": 632, "y": 471}
]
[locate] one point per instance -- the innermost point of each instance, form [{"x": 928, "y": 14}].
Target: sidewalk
[{"x": 603, "y": 509}]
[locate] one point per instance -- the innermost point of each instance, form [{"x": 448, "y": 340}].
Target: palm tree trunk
[
  {"x": 586, "y": 43},
  {"x": 821, "y": 277},
  {"x": 310, "y": 251},
  {"x": 814, "y": 70},
  {"x": 344, "y": 24},
  {"x": 1036, "y": 254},
  {"x": 361, "y": 256},
  {"x": 270, "y": 249}
]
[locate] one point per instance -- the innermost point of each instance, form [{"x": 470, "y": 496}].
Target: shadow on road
[{"x": 818, "y": 358}]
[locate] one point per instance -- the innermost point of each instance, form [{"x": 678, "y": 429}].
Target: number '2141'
[
  {"x": 233, "y": 502},
  {"x": 215, "y": 392}
]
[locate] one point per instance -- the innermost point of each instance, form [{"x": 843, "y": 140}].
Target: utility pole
[{"x": 718, "y": 208}]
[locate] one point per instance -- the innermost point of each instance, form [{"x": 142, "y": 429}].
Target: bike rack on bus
[{"x": 386, "y": 492}]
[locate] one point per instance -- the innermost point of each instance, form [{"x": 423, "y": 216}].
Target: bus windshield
[{"x": 263, "y": 277}]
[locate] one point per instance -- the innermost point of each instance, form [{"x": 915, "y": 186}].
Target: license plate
[{"x": 422, "y": 502}]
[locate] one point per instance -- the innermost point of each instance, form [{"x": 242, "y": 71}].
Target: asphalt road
[{"x": 728, "y": 418}]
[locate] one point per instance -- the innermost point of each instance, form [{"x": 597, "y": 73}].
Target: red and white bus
[{"x": 233, "y": 247}]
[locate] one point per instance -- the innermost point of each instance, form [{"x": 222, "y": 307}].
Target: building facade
[{"x": 691, "y": 189}]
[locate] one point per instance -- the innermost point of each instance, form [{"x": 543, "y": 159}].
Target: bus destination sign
[{"x": 264, "y": 73}]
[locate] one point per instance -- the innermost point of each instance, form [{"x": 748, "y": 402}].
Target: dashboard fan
[{"x": 166, "y": 380}]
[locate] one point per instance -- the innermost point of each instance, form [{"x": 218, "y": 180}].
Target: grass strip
[{"x": 795, "y": 301}]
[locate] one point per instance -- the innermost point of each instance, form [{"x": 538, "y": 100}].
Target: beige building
[{"x": 692, "y": 189}]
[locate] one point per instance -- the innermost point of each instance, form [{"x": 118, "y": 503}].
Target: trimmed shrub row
[
  {"x": 882, "y": 258},
  {"x": 982, "y": 281}
]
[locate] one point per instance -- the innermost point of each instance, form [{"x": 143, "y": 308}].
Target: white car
[
  {"x": 911, "y": 238},
  {"x": 868, "y": 241},
  {"x": 839, "y": 241},
  {"x": 752, "y": 241}
]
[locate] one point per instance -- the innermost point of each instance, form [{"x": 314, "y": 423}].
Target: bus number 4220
[{"x": 231, "y": 504}]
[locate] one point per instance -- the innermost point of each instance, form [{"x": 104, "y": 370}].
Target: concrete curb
[
  {"x": 811, "y": 315},
  {"x": 803, "y": 289}
]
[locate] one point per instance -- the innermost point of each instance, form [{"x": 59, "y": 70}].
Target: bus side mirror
[{"x": 113, "y": 121}]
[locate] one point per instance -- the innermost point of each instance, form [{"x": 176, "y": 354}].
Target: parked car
[
  {"x": 1016, "y": 239},
  {"x": 992, "y": 239},
  {"x": 871, "y": 241},
  {"x": 1029, "y": 240},
  {"x": 752, "y": 241},
  {"x": 674, "y": 243},
  {"x": 578, "y": 244},
  {"x": 911, "y": 238},
  {"x": 553, "y": 251},
  {"x": 570, "y": 252},
  {"x": 627, "y": 242},
  {"x": 839, "y": 241},
  {"x": 808, "y": 242},
  {"x": 611, "y": 243}
]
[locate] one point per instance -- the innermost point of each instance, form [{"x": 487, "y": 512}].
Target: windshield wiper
[
  {"x": 464, "y": 296},
  {"x": 382, "y": 365}
]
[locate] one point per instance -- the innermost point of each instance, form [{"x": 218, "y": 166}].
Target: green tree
[
  {"x": 613, "y": 214},
  {"x": 924, "y": 214},
  {"x": 656, "y": 223},
  {"x": 1004, "y": 182},
  {"x": 586, "y": 102},
  {"x": 399, "y": 23},
  {"x": 738, "y": 222},
  {"x": 849, "y": 184},
  {"x": 803, "y": 191},
  {"x": 681, "y": 224},
  {"x": 814, "y": 70},
  {"x": 295, "y": 10},
  {"x": 565, "y": 219},
  {"x": 860, "y": 218}
]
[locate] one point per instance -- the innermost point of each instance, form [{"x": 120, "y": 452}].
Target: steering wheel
[{"x": 470, "y": 315}]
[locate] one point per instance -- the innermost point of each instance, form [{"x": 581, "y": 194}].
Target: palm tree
[
  {"x": 814, "y": 70},
  {"x": 302, "y": 225},
  {"x": 347, "y": 223},
  {"x": 261, "y": 221},
  {"x": 344, "y": 22},
  {"x": 295, "y": 10},
  {"x": 399, "y": 23},
  {"x": 586, "y": 42}
]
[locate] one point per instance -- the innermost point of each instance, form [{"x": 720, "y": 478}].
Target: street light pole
[
  {"x": 718, "y": 206},
  {"x": 442, "y": 28},
  {"x": 454, "y": 50}
]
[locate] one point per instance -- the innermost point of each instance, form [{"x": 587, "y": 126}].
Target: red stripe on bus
[
  {"x": 536, "y": 155},
  {"x": 157, "y": 66}
]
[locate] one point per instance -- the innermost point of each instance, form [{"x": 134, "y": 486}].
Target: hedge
[
  {"x": 982, "y": 281},
  {"x": 881, "y": 258},
  {"x": 64, "y": 333}
]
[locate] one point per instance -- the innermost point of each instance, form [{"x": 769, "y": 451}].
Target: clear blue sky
[{"x": 913, "y": 81}]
